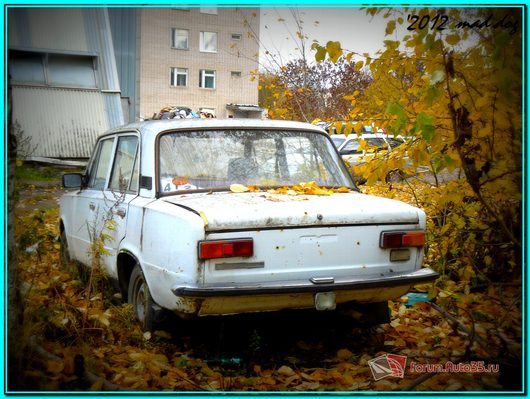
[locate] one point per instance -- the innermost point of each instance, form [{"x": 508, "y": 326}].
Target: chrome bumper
[{"x": 307, "y": 286}]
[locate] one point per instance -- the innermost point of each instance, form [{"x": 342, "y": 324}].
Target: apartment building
[{"x": 201, "y": 58}]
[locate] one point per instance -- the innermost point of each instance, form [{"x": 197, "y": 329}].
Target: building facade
[
  {"x": 76, "y": 72},
  {"x": 64, "y": 80},
  {"x": 202, "y": 58}
]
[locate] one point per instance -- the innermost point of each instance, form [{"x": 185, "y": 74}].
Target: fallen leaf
[
  {"x": 55, "y": 366},
  {"x": 163, "y": 334},
  {"x": 291, "y": 379},
  {"x": 344, "y": 354},
  {"x": 268, "y": 381},
  {"x": 204, "y": 218},
  {"x": 286, "y": 371},
  {"x": 96, "y": 386},
  {"x": 238, "y": 188}
]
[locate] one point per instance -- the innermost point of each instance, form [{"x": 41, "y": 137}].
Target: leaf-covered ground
[{"x": 299, "y": 352}]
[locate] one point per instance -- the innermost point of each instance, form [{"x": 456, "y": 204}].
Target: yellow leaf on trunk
[{"x": 238, "y": 188}]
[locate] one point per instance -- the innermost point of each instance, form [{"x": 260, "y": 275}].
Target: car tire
[
  {"x": 64, "y": 256},
  {"x": 367, "y": 314},
  {"x": 76, "y": 269},
  {"x": 140, "y": 298},
  {"x": 375, "y": 313}
]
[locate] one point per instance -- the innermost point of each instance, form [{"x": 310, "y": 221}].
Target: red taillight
[
  {"x": 400, "y": 239},
  {"x": 243, "y": 247}
]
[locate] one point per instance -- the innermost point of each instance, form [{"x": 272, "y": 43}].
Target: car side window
[
  {"x": 394, "y": 142},
  {"x": 100, "y": 166},
  {"x": 352, "y": 147},
  {"x": 125, "y": 170},
  {"x": 375, "y": 144}
]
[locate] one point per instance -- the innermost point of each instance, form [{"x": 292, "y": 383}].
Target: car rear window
[{"x": 196, "y": 160}]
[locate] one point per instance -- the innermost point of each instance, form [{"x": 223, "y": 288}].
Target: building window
[
  {"x": 71, "y": 70},
  {"x": 208, "y": 42},
  {"x": 235, "y": 74},
  {"x": 179, "y": 39},
  {"x": 208, "y": 10},
  {"x": 207, "y": 79},
  {"x": 26, "y": 67},
  {"x": 236, "y": 36},
  {"x": 53, "y": 69},
  {"x": 179, "y": 77}
]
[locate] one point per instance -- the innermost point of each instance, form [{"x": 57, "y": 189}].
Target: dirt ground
[{"x": 38, "y": 195}]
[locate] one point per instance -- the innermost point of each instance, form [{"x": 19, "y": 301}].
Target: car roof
[{"x": 153, "y": 127}]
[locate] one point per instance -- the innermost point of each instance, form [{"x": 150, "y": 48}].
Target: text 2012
[{"x": 418, "y": 23}]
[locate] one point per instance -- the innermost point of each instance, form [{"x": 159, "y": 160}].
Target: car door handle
[
  {"x": 120, "y": 212},
  {"x": 92, "y": 206}
]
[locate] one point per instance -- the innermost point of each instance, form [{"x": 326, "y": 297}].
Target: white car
[
  {"x": 351, "y": 151},
  {"x": 184, "y": 241}
]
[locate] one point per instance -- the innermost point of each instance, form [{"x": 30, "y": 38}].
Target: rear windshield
[{"x": 210, "y": 159}]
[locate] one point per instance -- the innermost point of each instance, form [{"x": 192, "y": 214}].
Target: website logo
[{"x": 388, "y": 366}]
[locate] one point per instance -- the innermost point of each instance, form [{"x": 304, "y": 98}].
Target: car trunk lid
[{"x": 262, "y": 210}]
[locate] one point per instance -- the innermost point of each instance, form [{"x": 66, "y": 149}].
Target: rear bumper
[{"x": 387, "y": 280}]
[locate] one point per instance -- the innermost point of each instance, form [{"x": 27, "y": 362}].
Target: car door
[
  {"x": 101, "y": 207},
  {"x": 122, "y": 189},
  {"x": 84, "y": 221},
  {"x": 351, "y": 151}
]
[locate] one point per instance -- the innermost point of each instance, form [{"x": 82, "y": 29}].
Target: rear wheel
[{"x": 140, "y": 297}]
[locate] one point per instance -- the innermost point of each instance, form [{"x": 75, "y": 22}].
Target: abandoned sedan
[{"x": 215, "y": 217}]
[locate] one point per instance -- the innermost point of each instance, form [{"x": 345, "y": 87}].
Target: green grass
[{"x": 28, "y": 172}]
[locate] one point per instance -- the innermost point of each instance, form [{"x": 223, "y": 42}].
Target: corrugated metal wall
[
  {"x": 99, "y": 36},
  {"x": 69, "y": 124},
  {"x": 48, "y": 28},
  {"x": 124, "y": 31}
]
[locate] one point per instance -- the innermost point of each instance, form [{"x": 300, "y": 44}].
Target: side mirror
[{"x": 72, "y": 180}]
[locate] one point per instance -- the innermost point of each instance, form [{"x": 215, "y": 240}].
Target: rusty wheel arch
[{"x": 125, "y": 265}]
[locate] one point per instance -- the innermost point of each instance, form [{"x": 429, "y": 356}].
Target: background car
[{"x": 352, "y": 152}]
